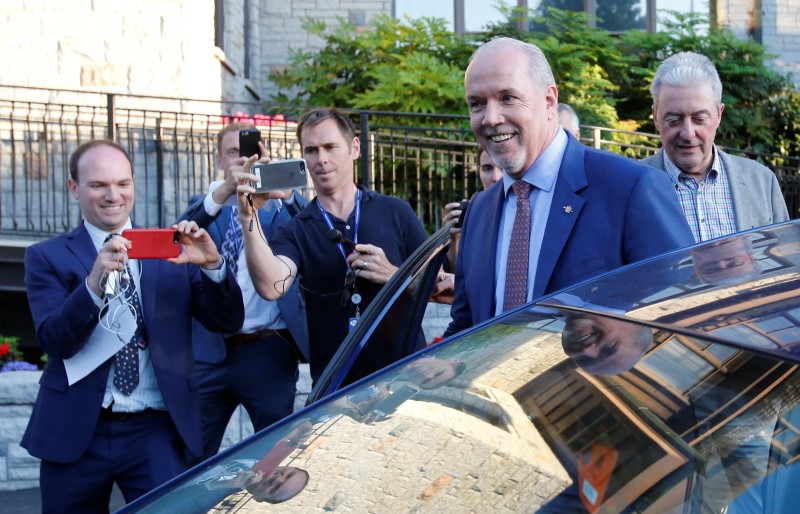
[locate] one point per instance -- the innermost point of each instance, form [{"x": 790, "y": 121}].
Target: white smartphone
[{"x": 276, "y": 175}]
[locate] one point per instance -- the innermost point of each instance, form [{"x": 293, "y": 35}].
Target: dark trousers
[
  {"x": 261, "y": 376},
  {"x": 138, "y": 453}
]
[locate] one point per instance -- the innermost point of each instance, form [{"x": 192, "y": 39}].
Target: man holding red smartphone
[
  {"x": 129, "y": 414},
  {"x": 256, "y": 364}
]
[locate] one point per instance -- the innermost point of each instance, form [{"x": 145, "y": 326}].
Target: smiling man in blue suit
[
  {"x": 118, "y": 399},
  {"x": 563, "y": 212}
]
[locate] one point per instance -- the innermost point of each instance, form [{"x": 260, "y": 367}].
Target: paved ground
[{"x": 28, "y": 501}]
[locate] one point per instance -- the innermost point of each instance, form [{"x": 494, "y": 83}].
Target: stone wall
[
  {"x": 163, "y": 47},
  {"x": 141, "y": 47},
  {"x": 168, "y": 47},
  {"x": 18, "y": 390},
  {"x": 780, "y": 28}
]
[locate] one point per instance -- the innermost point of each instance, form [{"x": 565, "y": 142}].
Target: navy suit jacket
[
  {"x": 209, "y": 347},
  {"x": 64, "y": 417},
  {"x": 607, "y": 211}
]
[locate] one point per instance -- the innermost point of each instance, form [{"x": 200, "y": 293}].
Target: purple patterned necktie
[
  {"x": 516, "y": 292},
  {"x": 126, "y": 360},
  {"x": 234, "y": 241}
]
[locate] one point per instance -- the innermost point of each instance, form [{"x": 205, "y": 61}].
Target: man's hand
[
  {"x": 452, "y": 211},
  {"x": 239, "y": 174},
  {"x": 197, "y": 247},
  {"x": 247, "y": 194},
  {"x": 370, "y": 262},
  {"x": 443, "y": 288},
  {"x": 113, "y": 256},
  {"x": 299, "y": 433}
]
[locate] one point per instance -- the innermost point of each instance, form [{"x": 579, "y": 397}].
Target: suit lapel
[
  {"x": 738, "y": 184},
  {"x": 148, "y": 289},
  {"x": 79, "y": 243},
  {"x": 564, "y": 213},
  {"x": 219, "y": 227},
  {"x": 265, "y": 217},
  {"x": 487, "y": 288}
]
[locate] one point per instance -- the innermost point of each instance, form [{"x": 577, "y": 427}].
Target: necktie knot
[{"x": 522, "y": 189}]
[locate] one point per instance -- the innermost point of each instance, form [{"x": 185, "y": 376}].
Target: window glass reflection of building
[
  {"x": 614, "y": 15},
  {"x": 677, "y": 364}
]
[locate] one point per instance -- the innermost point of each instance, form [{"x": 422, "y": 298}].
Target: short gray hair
[
  {"x": 684, "y": 69},
  {"x": 574, "y": 121},
  {"x": 539, "y": 66}
]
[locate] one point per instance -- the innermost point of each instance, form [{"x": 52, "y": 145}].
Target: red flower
[{"x": 5, "y": 348}]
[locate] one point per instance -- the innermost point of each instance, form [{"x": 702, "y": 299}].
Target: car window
[
  {"x": 390, "y": 328},
  {"x": 738, "y": 290}
]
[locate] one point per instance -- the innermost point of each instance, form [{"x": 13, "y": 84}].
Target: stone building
[
  {"x": 773, "y": 23},
  {"x": 198, "y": 49},
  {"x": 226, "y": 49}
]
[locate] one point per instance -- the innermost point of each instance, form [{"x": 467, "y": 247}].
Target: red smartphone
[{"x": 152, "y": 243}]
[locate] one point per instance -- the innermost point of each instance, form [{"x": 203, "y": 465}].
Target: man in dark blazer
[
  {"x": 735, "y": 193},
  {"x": 89, "y": 429},
  {"x": 257, "y": 365},
  {"x": 587, "y": 211}
]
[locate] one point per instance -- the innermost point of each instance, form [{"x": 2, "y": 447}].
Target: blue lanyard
[{"x": 328, "y": 221}]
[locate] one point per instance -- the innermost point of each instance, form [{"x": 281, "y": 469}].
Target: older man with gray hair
[
  {"x": 569, "y": 120},
  {"x": 720, "y": 193}
]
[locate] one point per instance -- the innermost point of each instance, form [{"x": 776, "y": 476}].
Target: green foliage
[
  {"x": 417, "y": 65},
  {"x": 577, "y": 54},
  {"x": 403, "y": 66}
]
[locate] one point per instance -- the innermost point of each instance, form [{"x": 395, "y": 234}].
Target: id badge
[{"x": 351, "y": 324}]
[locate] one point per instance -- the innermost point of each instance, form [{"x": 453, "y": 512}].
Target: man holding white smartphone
[
  {"x": 256, "y": 366},
  {"x": 339, "y": 276}
]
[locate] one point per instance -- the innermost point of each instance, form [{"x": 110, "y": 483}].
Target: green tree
[
  {"x": 751, "y": 90},
  {"x": 413, "y": 65},
  {"x": 417, "y": 65},
  {"x": 577, "y": 54}
]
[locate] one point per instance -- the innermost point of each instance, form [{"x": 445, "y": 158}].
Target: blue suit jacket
[
  {"x": 607, "y": 211},
  {"x": 209, "y": 346},
  {"x": 64, "y": 417}
]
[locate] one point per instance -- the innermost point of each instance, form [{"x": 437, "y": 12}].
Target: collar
[
  {"x": 99, "y": 235},
  {"x": 366, "y": 195},
  {"x": 544, "y": 171},
  {"x": 677, "y": 175}
]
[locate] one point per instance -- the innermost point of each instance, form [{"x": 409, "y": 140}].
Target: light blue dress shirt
[{"x": 542, "y": 176}]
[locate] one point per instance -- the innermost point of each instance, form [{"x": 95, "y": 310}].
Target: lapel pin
[{"x": 567, "y": 209}]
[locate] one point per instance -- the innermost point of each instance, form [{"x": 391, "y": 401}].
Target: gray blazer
[{"x": 757, "y": 197}]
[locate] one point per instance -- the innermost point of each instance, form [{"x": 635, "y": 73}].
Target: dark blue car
[{"x": 671, "y": 385}]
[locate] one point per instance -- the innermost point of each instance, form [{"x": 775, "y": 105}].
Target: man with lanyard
[
  {"x": 339, "y": 279},
  {"x": 720, "y": 193}
]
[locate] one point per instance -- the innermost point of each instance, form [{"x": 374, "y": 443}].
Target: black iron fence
[{"x": 429, "y": 160}]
